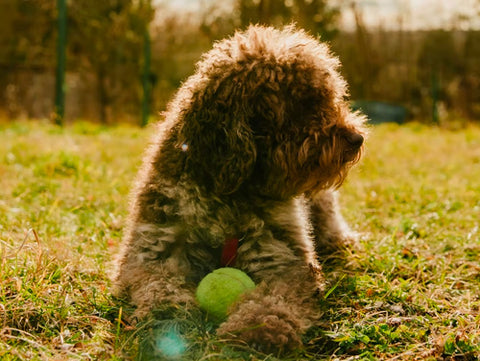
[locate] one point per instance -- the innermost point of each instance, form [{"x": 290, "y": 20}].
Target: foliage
[
  {"x": 114, "y": 57},
  {"x": 408, "y": 291},
  {"x": 317, "y": 16},
  {"x": 24, "y": 49},
  {"x": 405, "y": 67},
  {"x": 104, "y": 40},
  {"x": 105, "y": 55},
  {"x": 26, "y": 33}
]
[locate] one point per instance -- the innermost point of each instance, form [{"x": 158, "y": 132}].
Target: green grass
[{"x": 409, "y": 291}]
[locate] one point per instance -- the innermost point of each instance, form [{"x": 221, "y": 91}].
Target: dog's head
[{"x": 266, "y": 111}]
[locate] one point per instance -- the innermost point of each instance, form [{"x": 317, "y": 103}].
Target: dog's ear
[{"x": 217, "y": 139}]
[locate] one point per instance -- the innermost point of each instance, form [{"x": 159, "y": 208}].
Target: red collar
[{"x": 229, "y": 252}]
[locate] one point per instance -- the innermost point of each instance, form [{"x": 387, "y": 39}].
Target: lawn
[{"x": 408, "y": 291}]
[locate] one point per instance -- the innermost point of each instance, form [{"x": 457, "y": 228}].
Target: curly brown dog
[{"x": 251, "y": 148}]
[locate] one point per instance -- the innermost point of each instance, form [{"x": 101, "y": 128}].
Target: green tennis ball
[{"x": 218, "y": 290}]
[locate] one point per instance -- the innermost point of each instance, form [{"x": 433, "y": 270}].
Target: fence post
[{"x": 59, "y": 111}]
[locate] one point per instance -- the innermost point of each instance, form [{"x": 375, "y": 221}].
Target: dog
[{"x": 252, "y": 149}]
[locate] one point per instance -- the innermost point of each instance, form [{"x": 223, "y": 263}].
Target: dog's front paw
[
  {"x": 348, "y": 239},
  {"x": 335, "y": 242},
  {"x": 263, "y": 328}
]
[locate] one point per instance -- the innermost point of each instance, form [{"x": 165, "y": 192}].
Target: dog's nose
[{"x": 355, "y": 139}]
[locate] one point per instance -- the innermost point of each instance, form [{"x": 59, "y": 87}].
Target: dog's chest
[{"x": 215, "y": 225}]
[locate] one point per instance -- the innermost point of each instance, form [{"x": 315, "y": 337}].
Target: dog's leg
[
  {"x": 331, "y": 232},
  {"x": 275, "y": 315},
  {"x": 283, "y": 305},
  {"x": 152, "y": 270}
]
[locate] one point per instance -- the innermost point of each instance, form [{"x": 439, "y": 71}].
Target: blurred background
[{"x": 115, "y": 61}]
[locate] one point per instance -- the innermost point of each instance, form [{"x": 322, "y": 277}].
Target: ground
[{"x": 409, "y": 291}]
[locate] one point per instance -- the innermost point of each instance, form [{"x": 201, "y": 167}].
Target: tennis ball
[{"x": 218, "y": 290}]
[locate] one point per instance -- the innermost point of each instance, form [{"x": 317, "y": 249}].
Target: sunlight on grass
[{"x": 408, "y": 291}]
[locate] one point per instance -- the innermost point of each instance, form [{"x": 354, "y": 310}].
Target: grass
[{"x": 409, "y": 291}]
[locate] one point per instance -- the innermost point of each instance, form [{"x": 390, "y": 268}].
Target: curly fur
[{"x": 252, "y": 146}]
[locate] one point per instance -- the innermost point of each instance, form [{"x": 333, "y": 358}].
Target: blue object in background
[{"x": 380, "y": 112}]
